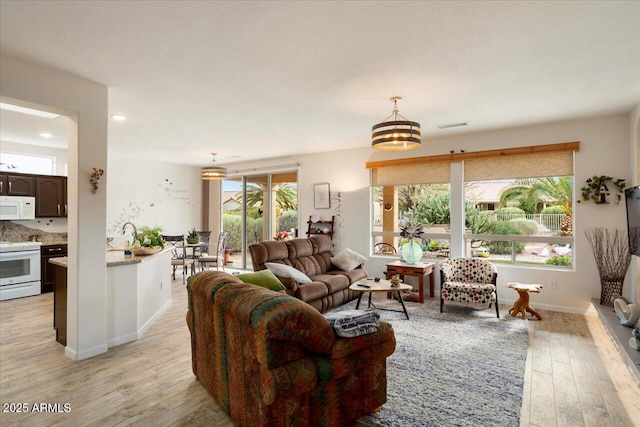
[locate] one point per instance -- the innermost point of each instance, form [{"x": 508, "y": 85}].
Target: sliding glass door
[{"x": 257, "y": 208}]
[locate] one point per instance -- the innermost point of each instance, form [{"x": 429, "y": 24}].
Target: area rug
[{"x": 463, "y": 367}]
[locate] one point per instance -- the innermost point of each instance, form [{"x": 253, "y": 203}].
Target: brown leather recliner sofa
[
  {"x": 330, "y": 285},
  {"x": 270, "y": 360}
]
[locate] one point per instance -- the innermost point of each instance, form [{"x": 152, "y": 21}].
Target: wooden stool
[{"x": 522, "y": 304}]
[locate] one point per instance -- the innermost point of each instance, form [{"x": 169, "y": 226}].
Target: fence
[{"x": 546, "y": 222}]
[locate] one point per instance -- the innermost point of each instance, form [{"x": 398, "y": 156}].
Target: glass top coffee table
[{"x": 372, "y": 286}]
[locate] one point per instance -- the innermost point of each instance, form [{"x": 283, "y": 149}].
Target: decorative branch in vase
[
  {"x": 411, "y": 229},
  {"x": 611, "y": 252}
]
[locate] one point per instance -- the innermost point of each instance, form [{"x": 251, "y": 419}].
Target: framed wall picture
[{"x": 321, "y": 196}]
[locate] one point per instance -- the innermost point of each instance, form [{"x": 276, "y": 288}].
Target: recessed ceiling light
[
  {"x": 118, "y": 117},
  {"x": 24, "y": 110},
  {"x": 452, "y": 125},
  {"x": 45, "y": 135}
]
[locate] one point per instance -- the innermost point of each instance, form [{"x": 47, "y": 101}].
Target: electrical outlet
[{"x": 553, "y": 284}]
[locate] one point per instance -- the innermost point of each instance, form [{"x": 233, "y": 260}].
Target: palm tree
[
  {"x": 286, "y": 196},
  {"x": 529, "y": 192},
  {"x": 556, "y": 191}
]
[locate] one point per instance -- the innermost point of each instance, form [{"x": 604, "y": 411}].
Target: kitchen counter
[
  {"x": 115, "y": 257},
  {"x": 137, "y": 291}
]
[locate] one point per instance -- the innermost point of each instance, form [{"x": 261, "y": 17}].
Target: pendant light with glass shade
[
  {"x": 397, "y": 133},
  {"x": 214, "y": 171}
]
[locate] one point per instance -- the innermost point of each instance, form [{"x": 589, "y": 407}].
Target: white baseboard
[
  {"x": 148, "y": 323},
  {"x": 122, "y": 339},
  {"x": 85, "y": 354}
]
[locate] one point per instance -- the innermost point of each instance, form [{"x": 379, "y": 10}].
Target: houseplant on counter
[{"x": 148, "y": 241}]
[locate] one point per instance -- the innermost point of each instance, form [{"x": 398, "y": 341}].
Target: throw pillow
[
  {"x": 264, "y": 278},
  {"x": 287, "y": 271},
  {"x": 348, "y": 260}
]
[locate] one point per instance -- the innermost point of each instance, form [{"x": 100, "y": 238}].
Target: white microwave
[{"x": 17, "y": 207}]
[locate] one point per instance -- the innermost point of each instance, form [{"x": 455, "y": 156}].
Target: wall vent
[{"x": 452, "y": 125}]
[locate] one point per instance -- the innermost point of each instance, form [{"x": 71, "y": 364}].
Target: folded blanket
[{"x": 353, "y": 323}]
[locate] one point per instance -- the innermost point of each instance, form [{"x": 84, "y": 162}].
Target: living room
[{"x": 608, "y": 139}]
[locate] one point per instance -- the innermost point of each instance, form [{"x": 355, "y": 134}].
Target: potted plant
[
  {"x": 193, "y": 237},
  {"x": 411, "y": 229},
  {"x": 148, "y": 241},
  {"x": 227, "y": 255}
]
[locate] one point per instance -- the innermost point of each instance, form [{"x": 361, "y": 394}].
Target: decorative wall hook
[{"x": 95, "y": 178}]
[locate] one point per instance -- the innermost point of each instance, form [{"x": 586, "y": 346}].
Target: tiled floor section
[{"x": 574, "y": 374}]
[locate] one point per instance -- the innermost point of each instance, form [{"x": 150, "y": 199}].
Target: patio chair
[
  {"x": 216, "y": 258},
  {"x": 384, "y": 249},
  {"x": 179, "y": 255}
]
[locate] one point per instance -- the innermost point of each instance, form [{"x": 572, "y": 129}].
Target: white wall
[
  {"x": 604, "y": 151},
  {"x": 86, "y": 104},
  {"x": 152, "y": 194}
]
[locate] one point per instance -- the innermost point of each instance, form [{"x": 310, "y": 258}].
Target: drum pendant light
[
  {"x": 214, "y": 171},
  {"x": 397, "y": 133}
]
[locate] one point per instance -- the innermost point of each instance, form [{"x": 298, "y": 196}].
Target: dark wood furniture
[
  {"x": 51, "y": 196},
  {"x": 60, "y": 303},
  {"x": 50, "y": 191},
  {"x": 46, "y": 269},
  {"x": 420, "y": 270},
  {"x": 320, "y": 227},
  {"x": 17, "y": 185}
]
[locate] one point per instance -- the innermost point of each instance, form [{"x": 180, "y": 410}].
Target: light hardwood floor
[{"x": 574, "y": 375}]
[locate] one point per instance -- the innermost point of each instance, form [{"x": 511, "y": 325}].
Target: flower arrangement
[
  {"x": 596, "y": 189},
  {"x": 281, "y": 236},
  {"x": 410, "y": 227},
  {"x": 148, "y": 237}
]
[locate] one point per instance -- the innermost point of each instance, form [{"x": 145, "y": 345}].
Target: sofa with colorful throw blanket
[{"x": 270, "y": 359}]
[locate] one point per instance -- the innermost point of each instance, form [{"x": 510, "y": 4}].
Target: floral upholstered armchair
[{"x": 468, "y": 280}]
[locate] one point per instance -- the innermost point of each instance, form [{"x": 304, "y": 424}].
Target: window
[
  {"x": 535, "y": 211},
  {"x": 516, "y": 204},
  {"x": 27, "y": 163},
  {"x": 262, "y": 206},
  {"x": 430, "y": 203}
]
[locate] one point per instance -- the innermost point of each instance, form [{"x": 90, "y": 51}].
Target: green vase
[{"x": 411, "y": 252}]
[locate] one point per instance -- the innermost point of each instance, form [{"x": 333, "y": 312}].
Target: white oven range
[{"x": 19, "y": 269}]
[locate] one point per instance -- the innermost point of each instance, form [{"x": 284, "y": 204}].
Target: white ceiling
[{"x": 252, "y": 80}]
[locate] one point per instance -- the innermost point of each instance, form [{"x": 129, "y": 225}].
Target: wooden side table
[
  {"x": 522, "y": 304},
  {"x": 419, "y": 270}
]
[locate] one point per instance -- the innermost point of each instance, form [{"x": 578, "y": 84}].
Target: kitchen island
[{"x": 138, "y": 291}]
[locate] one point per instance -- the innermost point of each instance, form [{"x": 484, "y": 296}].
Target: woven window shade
[
  {"x": 532, "y": 165},
  {"x": 418, "y": 173},
  {"x": 519, "y": 162}
]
